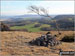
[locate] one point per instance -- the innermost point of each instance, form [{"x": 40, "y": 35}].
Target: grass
[
  {"x": 68, "y": 38},
  {"x": 30, "y": 27},
  {"x": 16, "y": 43}
]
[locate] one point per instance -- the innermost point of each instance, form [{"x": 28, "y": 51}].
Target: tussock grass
[{"x": 68, "y": 38}]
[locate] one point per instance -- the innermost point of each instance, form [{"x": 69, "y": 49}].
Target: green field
[{"x": 30, "y": 27}]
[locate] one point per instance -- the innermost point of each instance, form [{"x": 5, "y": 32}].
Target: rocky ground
[{"x": 16, "y": 43}]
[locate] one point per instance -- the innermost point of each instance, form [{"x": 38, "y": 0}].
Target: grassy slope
[
  {"x": 30, "y": 27},
  {"x": 16, "y": 43}
]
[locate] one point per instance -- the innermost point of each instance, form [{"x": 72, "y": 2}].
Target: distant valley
[{"x": 34, "y": 23}]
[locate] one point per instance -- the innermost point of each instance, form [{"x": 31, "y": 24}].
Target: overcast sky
[{"x": 20, "y": 7}]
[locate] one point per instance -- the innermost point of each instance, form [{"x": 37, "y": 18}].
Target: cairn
[{"x": 45, "y": 40}]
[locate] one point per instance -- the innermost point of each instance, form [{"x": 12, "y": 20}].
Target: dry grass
[{"x": 16, "y": 43}]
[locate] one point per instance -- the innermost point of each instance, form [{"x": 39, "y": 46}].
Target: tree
[
  {"x": 42, "y": 12},
  {"x": 39, "y": 10}
]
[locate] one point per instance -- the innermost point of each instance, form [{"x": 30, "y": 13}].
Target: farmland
[{"x": 30, "y": 27}]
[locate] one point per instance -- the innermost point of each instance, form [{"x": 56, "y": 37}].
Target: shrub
[
  {"x": 45, "y": 28},
  {"x": 4, "y": 27},
  {"x": 37, "y": 25},
  {"x": 68, "y": 38}
]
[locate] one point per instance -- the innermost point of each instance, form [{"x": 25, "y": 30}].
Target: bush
[
  {"x": 68, "y": 38},
  {"x": 37, "y": 25},
  {"x": 45, "y": 28},
  {"x": 4, "y": 27}
]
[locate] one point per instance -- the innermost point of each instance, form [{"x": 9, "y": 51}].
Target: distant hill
[
  {"x": 58, "y": 17},
  {"x": 21, "y": 17},
  {"x": 65, "y": 22}
]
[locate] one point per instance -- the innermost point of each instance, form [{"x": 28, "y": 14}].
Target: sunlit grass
[{"x": 30, "y": 27}]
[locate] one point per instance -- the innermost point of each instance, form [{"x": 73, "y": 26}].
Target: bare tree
[
  {"x": 42, "y": 12},
  {"x": 39, "y": 10}
]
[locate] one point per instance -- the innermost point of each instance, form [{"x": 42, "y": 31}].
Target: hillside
[
  {"x": 16, "y": 43},
  {"x": 58, "y": 17},
  {"x": 65, "y": 22},
  {"x": 31, "y": 27}
]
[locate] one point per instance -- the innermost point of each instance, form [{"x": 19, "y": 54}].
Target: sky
[{"x": 21, "y": 7}]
